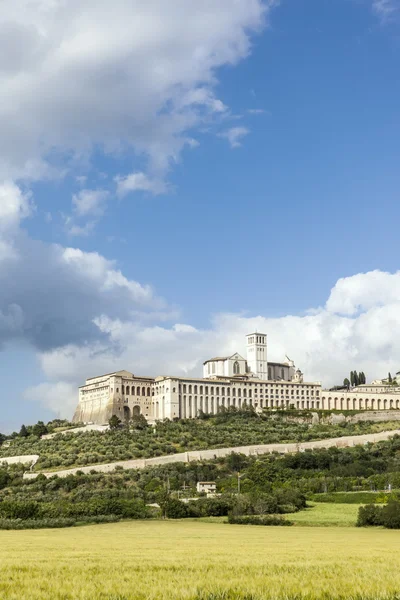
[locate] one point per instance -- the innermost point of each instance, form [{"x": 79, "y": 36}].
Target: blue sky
[{"x": 172, "y": 179}]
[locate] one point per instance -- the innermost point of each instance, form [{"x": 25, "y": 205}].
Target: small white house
[{"x": 209, "y": 487}]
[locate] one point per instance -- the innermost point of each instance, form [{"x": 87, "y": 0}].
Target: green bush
[
  {"x": 19, "y": 510},
  {"x": 211, "y": 507},
  {"x": 175, "y": 509},
  {"x": 258, "y": 520},
  {"x": 391, "y": 515},
  {"x": 369, "y": 515},
  {"x": 372, "y": 515},
  {"x": 349, "y": 497}
]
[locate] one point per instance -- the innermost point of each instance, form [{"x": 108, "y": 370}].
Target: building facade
[
  {"x": 230, "y": 381},
  {"x": 119, "y": 393}
]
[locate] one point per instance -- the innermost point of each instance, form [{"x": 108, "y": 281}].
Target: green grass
[
  {"x": 324, "y": 515},
  {"x": 187, "y": 560}
]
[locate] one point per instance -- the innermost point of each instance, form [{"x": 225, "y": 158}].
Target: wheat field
[{"x": 195, "y": 560}]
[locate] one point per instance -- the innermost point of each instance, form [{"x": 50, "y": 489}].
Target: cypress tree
[
  {"x": 23, "y": 431},
  {"x": 352, "y": 378},
  {"x": 390, "y": 378}
]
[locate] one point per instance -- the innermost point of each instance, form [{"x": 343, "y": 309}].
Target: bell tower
[{"x": 257, "y": 354}]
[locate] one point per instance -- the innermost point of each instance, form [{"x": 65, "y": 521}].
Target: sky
[{"x": 174, "y": 175}]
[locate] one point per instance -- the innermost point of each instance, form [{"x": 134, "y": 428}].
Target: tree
[
  {"x": 139, "y": 422},
  {"x": 356, "y": 379},
  {"x": 114, "y": 422},
  {"x": 390, "y": 378},
  {"x": 352, "y": 378},
  {"x": 23, "y": 432},
  {"x": 39, "y": 429},
  {"x": 346, "y": 383}
]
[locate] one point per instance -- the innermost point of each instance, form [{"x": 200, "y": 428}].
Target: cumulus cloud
[
  {"x": 133, "y": 76},
  {"x": 358, "y": 328},
  {"x": 139, "y": 182},
  {"x": 14, "y": 206},
  {"x": 50, "y": 295},
  {"x": 234, "y": 135}
]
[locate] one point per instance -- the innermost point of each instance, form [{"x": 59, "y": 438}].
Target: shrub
[
  {"x": 211, "y": 507},
  {"x": 258, "y": 520},
  {"x": 391, "y": 515},
  {"x": 19, "y": 510},
  {"x": 175, "y": 509},
  {"x": 369, "y": 515},
  {"x": 348, "y": 497}
]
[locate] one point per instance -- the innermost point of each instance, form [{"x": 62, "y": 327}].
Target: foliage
[
  {"x": 175, "y": 509},
  {"x": 351, "y": 497},
  {"x": 387, "y": 516},
  {"x": 357, "y": 378},
  {"x": 23, "y": 432},
  {"x": 369, "y": 515},
  {"x": 114, "y": 422},
  {"x": 258, "y": 520},
  {"x": 229, "y": 428}
]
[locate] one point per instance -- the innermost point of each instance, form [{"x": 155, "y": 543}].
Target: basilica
[{"x": 228, "y": 381}]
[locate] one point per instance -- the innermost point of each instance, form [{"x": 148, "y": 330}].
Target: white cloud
[
  {"x": 90, "y": 202},
  {"x": 50, "y": 295},
  {"x": 234, "y": 135},
  {"x": 58, "y": 397},
  {"x": 385, "y": 9},
  {"x": 14, "y": 206},
  {"x": 138, "y": 182},
  {"x": 132, "y": 76},
  {"x": 256, "y": 111},
  {"x": 358, "y": 328}
]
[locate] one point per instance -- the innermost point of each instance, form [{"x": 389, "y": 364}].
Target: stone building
[
  {"x": 228, "y": 381},
  {"x": 119, "y": 393}
]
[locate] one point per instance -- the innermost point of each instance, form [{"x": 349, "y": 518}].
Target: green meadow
[{"x": 197, "y": 560}]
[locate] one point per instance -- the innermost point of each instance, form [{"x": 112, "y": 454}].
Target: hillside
[
  {"x": 227, "y": 429},
  {"x": 269, "y": 484}
]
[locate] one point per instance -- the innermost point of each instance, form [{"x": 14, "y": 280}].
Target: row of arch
[
  {"x": 359, "y": 403},
  {"x": 190, "y": 407},
  {"x": 128, "y": 413},
  {"x": 240, "y": 392},
  {"x": 127, "y": 391}
]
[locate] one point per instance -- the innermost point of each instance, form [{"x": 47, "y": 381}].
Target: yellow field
[{"x": 198, "y": 560}]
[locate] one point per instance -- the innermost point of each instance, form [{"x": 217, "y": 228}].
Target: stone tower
[{"x": 257, "y": 354}]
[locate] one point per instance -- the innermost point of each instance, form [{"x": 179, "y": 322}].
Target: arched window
[
  {"x": 236, "y": 368},
  {"x": 127, "y": 390},
  {"x": 148, "y": 391},
  {"x": 143, "y": 391},
  {"x": 123, "y": 390}
]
